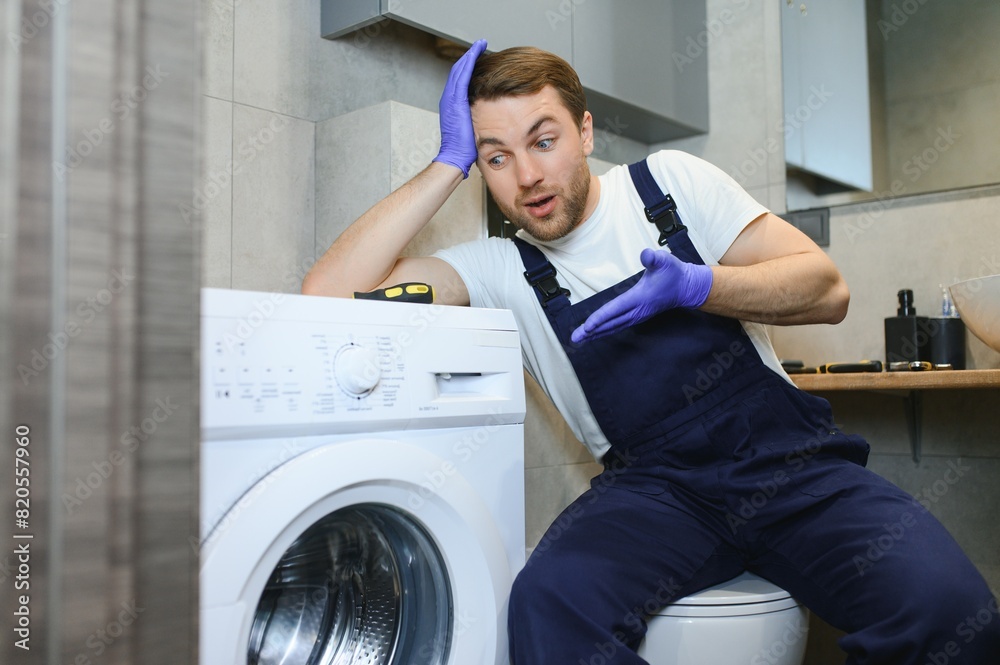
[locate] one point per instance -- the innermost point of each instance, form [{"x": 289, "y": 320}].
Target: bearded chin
[{"x": 563, "y": 220}]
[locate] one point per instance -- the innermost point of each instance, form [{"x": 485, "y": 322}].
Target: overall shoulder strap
[
  {"x": 661, "y": 210},
  {"x": 541, "y": 275}
]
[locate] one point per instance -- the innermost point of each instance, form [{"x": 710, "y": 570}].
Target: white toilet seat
[
  {"x": 744, "y": 620},
  {"x": 743, "y": 595}
]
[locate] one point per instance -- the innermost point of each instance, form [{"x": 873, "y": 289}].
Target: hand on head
[{"x": 458, "y": 140}]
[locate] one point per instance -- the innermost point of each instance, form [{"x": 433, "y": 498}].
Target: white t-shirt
[{"x": 598, "y": 254}]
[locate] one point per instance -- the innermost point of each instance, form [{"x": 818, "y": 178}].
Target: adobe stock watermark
[
  {"x": 614, "y": 466},
  {"x": 562, "y": 13},
  {"x": 612, "y": 130},
  {"x": 883, "y": 543},
  {"x": 35, "y": 23},
  {"x": 963, "y": 293},
  {"x": 928, "y": 496},
  {"x": 666, "y": 592},
  {"x": 364, "y": 36},
  {"x": 222, "y": 517},
  {"x": 216, "y": 181},
  {"x": 710, "y": 375},
  {"x": 791, "y": 122},
  {"x": 129, "y": 441},
  {"x": 795, "y": 460},
  {"x": 605, "y": 652},
  {"x": 697, "y": 45},
  {"x": 915, "y": 167},
  {"x": 899, "y": 14},
  {"x": 463, "y": 451},
  {"x": 86, "y": 311},
  {"x": 966, "y": 632},
  {"x": 894, "y": 532},
  {"x": 101, "y": 639},
  {"x": 120, "y": 108},
  {"x": 795, "y": 631},
  {"x": 263, "y": 309},
  {"x": 224, "y": 8}
]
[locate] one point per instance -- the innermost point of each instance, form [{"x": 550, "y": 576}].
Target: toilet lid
[{"x": 745, "y": 594}]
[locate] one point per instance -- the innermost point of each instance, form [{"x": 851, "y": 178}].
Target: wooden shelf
[
  {"x": 910, "y": 385},
  {"x": 929, "y": 380}
]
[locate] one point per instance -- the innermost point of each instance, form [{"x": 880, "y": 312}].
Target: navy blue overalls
[{"x": 719, "y": 465}]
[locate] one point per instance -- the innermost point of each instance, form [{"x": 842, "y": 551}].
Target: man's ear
[{"x": 587, "y": 133}]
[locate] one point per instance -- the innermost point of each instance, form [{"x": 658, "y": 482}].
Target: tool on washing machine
[{"x": 417, "y": 292}]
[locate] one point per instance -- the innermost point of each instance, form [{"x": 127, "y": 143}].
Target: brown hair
[{"x": 525, "y": 70}]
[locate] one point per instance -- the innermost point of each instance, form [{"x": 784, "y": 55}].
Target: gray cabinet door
[
  {"x": 827, "y": 123},
  {"x": 643, "y": 62}
]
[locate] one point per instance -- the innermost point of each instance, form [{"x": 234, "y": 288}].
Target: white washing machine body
[{"x": 362, "y": 481}]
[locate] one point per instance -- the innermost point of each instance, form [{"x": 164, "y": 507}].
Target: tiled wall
[
  {"x": 942, "y": 89},
  {"x": 364, "y": 155},
  {"x": 269, "y": 78}
]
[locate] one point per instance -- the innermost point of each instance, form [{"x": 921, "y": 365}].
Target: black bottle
[{"x": 906, "y": 338}]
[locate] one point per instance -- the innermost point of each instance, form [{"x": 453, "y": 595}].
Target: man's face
[{"x": 533, "y": 158}]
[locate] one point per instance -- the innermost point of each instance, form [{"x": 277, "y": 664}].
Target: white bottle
[{"x": 948, "y": 309}]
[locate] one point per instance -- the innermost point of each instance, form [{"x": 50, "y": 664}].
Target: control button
[{"x": 357, "y": 370}]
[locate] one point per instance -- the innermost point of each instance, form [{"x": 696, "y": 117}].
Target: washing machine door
[{"x": 341, "y": 556}]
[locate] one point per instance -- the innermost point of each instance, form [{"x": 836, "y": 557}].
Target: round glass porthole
[{"x": 364, "y": 585}]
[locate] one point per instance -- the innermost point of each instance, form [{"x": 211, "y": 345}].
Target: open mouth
[
  {"x": 541, "y": 207},
  {"x": 540, "y": 202}
]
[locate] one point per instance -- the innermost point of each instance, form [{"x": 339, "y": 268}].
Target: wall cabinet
[
  {"x": 635, "y": 60},
  {"x": 827, "y": 120}
]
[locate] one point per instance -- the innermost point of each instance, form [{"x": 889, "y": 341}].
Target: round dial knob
[{"x": 357, "y": 370}]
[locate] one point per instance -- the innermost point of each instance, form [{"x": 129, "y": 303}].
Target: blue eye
[{"x": 545, "y": 144}]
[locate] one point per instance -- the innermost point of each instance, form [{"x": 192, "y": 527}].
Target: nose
[{"x": 528, "y": 172}]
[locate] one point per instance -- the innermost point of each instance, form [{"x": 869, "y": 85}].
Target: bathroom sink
[{"x": 978, "y": 303}]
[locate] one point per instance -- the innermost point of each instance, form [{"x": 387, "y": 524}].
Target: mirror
[{"x": 934, "y": 91}]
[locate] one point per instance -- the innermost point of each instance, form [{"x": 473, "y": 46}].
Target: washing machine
[{"x": 362, "y": 481}]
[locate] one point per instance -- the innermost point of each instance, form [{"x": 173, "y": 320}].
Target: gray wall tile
[
  {"x": 218, "y": 18},
  {"x": 364, "y": 155},
  {"x": 548, "y": 490},
  {"x": 273, "y": 199},
  {"x": 214, "y": 196}
]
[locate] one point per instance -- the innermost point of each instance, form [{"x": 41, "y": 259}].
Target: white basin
[{"x": 978, "y": 303}]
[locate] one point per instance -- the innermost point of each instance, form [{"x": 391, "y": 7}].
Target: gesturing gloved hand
[
  {"x": 667, "y": 283},
  {"x": 458, "y": 141}
]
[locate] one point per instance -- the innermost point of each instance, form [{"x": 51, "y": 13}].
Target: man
[{"x": 641, "y": 296}]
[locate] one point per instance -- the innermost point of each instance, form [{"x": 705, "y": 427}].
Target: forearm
[
  {"x": 365, "y": 253},
  {"x": 790, "y": 290}
]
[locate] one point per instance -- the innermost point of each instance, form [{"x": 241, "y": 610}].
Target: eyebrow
[{"x": 488, "y": 140}]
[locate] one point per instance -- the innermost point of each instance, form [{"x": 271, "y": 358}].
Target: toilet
[{"x": 745, "y": 621}]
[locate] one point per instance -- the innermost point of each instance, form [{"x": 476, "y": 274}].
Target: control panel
[
  {"x": 334, "y": 374},
  {"x": 284, "y": 372}
]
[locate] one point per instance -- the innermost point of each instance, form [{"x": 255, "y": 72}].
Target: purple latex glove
[
  {"x": 667, "y": 283},
  {"x": 458, "y": 141}
]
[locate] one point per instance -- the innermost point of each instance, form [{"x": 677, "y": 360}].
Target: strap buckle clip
[
  {"x": 664, "y": 215},
  {"x": 545, "y": 281}
]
